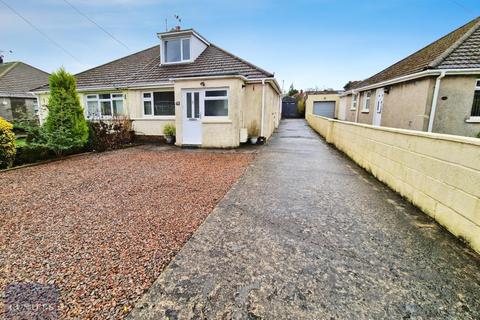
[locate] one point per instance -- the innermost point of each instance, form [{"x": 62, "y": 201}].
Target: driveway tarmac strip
[{"x": 307, "y": 234}]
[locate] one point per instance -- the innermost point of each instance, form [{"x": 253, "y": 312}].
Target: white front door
[
  {"x": 377, "y": 113},
  {"x": 342, "y": 109},
  {"x": 193, "y": 109}
]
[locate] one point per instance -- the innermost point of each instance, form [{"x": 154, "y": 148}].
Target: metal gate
[{"x": 289, "y": 108}]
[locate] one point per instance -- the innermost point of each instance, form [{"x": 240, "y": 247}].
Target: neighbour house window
[
  {"x": 354, "y": 102},
  {"x": 159, "y": 103},
  {"x": 177, "y": 50},
  {"x": 216, "y": 103},
  {"x": 366, "y": 101},
  {"x": 104, "y": 105},
  {"x": 476, "y": 101}
]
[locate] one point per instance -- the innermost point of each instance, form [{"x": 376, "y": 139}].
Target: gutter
[
  {"x": 271, "y": 80},
  {"x": 435, "y": 100},
  {"x": 421, "y": 74},
  {"x": 170, "y": 82}
]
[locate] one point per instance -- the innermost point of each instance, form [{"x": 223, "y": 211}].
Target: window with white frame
[
  {"x": 476, "y": 101},
  {"x": 354, "y": 102},
  {"x": 366, "y": 101},
  {"x": 176, "y": 50},
  {"x": 216, "y": 103},
  {"x": 104, "y": 105},
  {"x": 159, "y": 103}
]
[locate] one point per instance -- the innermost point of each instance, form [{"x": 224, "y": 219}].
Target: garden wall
[{"x": 438, "y": 173}]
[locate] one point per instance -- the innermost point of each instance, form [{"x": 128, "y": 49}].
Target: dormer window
[{"x": 177, "y": 50}]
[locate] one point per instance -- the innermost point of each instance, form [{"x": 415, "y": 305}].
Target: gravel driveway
[{"x": 87, "y": 235}]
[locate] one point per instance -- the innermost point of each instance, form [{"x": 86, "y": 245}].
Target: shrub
[
  {"x": 478, "y": 135},
  {"x": 109, "y": 135},
  {"x": 7, "y": 144},
  {"x": 65, "y": 129},
  {"x": 30, "y": 153},
  {"x": 23, "y": 121},
  {"x": 169, "y": 129},
  {"x": 301, "y": 105}
]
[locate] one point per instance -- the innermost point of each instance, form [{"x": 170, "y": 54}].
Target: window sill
[
  {"x": 155, "y": 118},
  {"x": 106, "y": 118},
  {"x": 473, "y": 120},
  {"x": 216, "y": 120},
  {"x": 351, "y": 109},
  {"x": 366, "y": 111},
  {"x": 176, "y": 62}
]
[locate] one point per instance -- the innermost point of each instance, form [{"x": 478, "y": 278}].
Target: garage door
[{"x": 324, "y": 108}]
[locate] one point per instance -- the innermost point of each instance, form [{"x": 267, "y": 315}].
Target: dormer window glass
[{"x": 177, "y": 50}]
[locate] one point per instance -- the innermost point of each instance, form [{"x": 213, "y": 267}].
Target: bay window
[
  {"x": 216, "y": 103},
  {"x": 158, "y": 103},
  {"x": 104, "y": 105}
]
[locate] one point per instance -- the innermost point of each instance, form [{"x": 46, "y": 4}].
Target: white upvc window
[
  {"x": 176, "y": 50},
  {"x": 216, "y": 103},
  {"x": 104, "y": 105},
  {"x": 366, "y": 101},
  {"x": 475, "y": 112},
  {"x": 158, "y": 104},
  {"x": 354, "y": 101}
]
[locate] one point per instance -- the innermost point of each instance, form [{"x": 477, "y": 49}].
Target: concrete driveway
[{"x": 306, "y": 234}]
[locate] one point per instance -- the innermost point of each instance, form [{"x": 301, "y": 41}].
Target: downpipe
[{"x": 433, "y": 110}]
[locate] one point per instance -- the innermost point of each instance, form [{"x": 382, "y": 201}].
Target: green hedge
[{"x": 30, "y": 154}]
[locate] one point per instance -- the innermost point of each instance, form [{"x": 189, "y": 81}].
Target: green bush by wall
[{"x": 7, "y": 144}]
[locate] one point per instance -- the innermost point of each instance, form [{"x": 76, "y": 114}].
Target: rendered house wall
[{"x": 454, "y": 106}]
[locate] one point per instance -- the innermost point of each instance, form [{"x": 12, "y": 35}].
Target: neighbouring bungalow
[
  {"x": 436, "y": 89},
  {"x": 212, "y": 96},
  {"x": 323, "y": 103},
  {"x": 16, "y": 81}
]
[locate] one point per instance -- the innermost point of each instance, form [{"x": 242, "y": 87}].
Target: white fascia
[
  {"x": 147, "y": 85},
  {"x": 183, "y": 33},
  {"x": 258, "y": 80},
  {"x": 426, "y": 73}
]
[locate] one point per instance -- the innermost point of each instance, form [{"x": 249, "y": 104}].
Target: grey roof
[
  {"x": 465, "y": 55},
  {"x": 18, "y": 78},
  {"x": 144, "y": 67},
  {"x": 458, "y": 49}
]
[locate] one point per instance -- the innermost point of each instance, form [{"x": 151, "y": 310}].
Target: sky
[{"x": 310, "y": 44}]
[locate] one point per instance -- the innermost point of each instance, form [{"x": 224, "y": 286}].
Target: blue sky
[{"x": 313, "y": 44}]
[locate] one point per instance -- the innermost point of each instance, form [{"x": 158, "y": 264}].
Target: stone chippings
[{"x": 97, "y": 230}]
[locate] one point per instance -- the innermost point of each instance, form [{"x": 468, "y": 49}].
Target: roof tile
[{"x": 458, "y": 49}]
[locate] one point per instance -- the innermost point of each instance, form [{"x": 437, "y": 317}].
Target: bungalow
[
  {"x": 214, "y": 98},
  {"x": 16, "y": 80},
  {"x": 436, "y": 89}
]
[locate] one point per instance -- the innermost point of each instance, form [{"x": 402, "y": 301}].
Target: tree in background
[
  {"x": 301, "y": 104},
  {"x": 300, "y": 96},
  {"x": 65, "y": 129},
  {"x": 292, "y": 91}
]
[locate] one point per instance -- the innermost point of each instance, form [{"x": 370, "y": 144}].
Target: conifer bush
[
  {"x": 7, "y": 144},
  {"x": 65, "y": 129}
]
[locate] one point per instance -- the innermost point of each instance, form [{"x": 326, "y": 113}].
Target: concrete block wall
[{"x": 438, "y": 173}]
